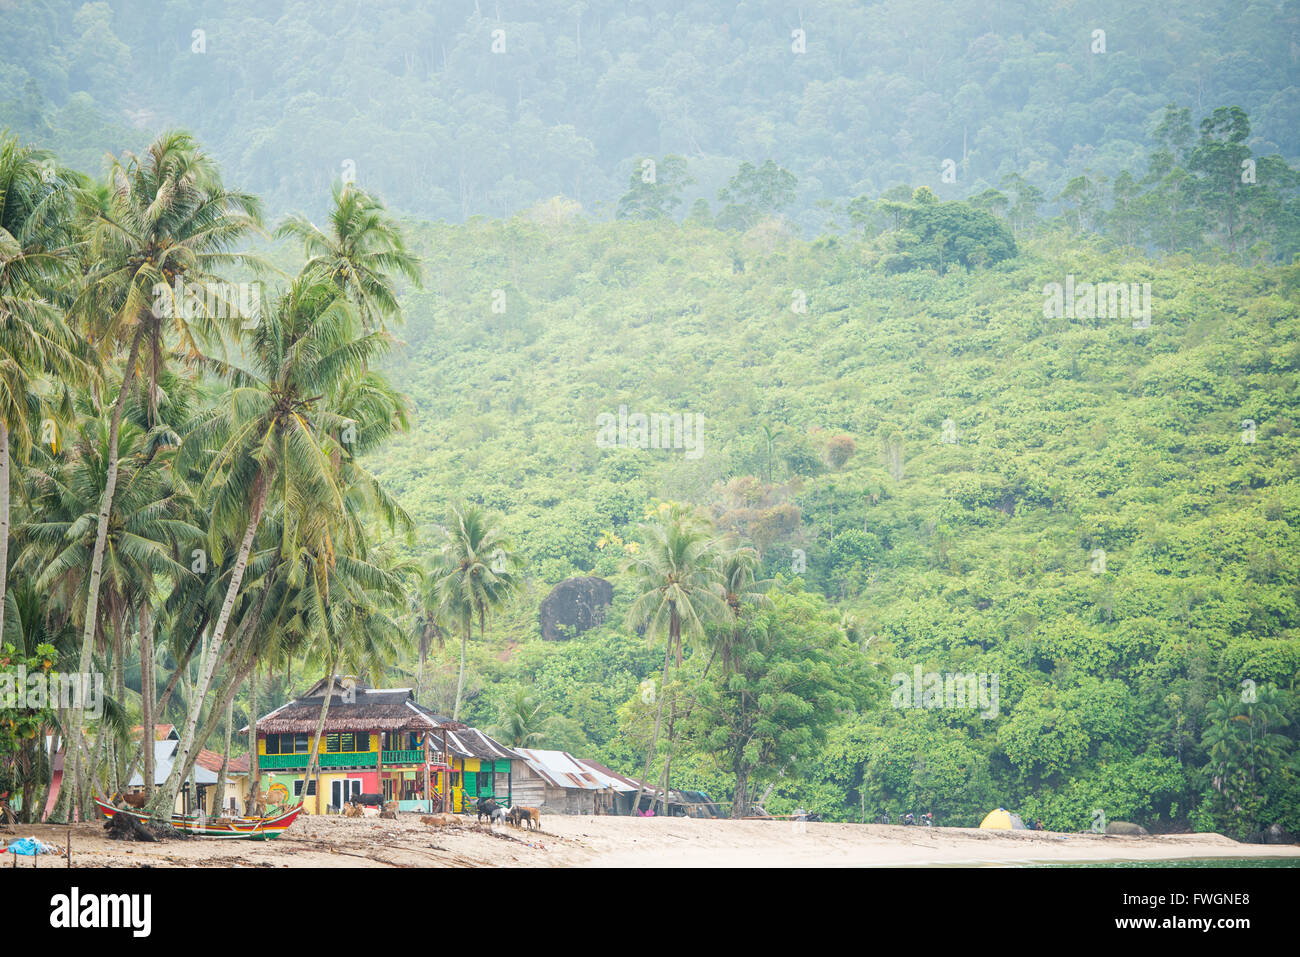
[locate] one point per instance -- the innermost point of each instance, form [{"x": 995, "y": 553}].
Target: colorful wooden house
[
  {"x": 376, "y": 741},
  {"x": 478, "y": 766}
]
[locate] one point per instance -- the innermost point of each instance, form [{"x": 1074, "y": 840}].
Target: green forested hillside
[
  {"x": 973, "y": 546},
  {"x": 849, "y": 342}
]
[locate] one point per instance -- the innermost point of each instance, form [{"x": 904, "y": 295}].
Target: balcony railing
[
  {"x": 415, "y": 756},
  {"x": 357, "y": 760},
  {"x": 361, "y": 759}
]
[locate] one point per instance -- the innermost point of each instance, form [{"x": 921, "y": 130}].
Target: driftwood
[{"x": 124, "y": 827}]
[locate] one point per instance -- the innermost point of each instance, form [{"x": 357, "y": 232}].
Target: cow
[
  {"x": 532, "y": 815},
  {"x": 486, "y": 808},
  {"x": 370, "y": 800},
  {"x": 499, "y": 815},
  {"x": 438, "y": 820}
]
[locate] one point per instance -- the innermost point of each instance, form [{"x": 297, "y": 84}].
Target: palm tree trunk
[
  {"x": 215, "y": 713},
  {"x": 119, "y": 690},
  {"x": 146, "y": 694},
  {"x": 4, "y": 522},
  {"x": 97, "y": 557},
  {"x": 668, "y": 758},
  {"x": 254, "y": 768},
  {"x": 161, "y": 706},
  {"x": 313, "y": 761},
  {"x": 163, "y": 801},
  {"x": 460, "y": 682},
  {"x": 219, "y": 796},
  {"x": 654, "y": 741}
]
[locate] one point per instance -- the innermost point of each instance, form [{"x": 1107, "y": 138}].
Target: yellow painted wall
[
  {"x": 373, "y": 739},
  {"x": 236, "y": 787}
]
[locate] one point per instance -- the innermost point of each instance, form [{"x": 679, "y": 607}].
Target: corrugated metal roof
[
  {"x": 164, "y": 752},
  {"x": 562, "y": 770},
  {"x": 619, "y": 782},
  {"x": 473, "y": 743}
]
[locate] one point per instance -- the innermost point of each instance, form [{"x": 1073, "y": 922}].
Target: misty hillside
[{"x": 416, "y": 103}]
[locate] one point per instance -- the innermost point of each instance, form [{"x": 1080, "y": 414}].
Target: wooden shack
[{"x": 559, "y": 783}]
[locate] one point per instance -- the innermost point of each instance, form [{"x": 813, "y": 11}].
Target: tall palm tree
[
  {"x": 741, "y": 591},
  {"x": 148, "y": 528},
  {"x": 475, "y": 572},
  {"x": 35, "y": 341},
  {"x": 346, "y": 600},
  {"x": 680, "y": 593},
  {"x": 427, "y": 625},
  {"x": 271, "y": 432},
  {"x": 166, "y": 216},
  {"x": 361, "y": 250},
  {"x": 1244, "y": 750},
  {"x": 32, "y": 625}
]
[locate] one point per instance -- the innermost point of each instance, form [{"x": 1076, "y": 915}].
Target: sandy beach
[{"x": 576, "y": 841}]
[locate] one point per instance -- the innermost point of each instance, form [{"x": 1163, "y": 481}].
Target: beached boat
[{"x": 240, "y": 828}]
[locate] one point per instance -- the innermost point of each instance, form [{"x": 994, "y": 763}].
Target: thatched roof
[{"x": 353, "y": 707}]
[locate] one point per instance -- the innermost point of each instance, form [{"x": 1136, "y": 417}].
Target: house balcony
[
  {"x": 415, "y": 756},
  {"x": 366, "y": 760}
]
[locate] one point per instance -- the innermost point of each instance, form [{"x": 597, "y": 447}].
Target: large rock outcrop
[
  {"x": 1125, "y": 829},
  {"x": 573, "y": 606}
]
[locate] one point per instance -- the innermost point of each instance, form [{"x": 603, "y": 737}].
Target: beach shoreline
[{"x": 582, "y": 841}]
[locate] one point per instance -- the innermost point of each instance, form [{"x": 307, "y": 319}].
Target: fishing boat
[{"x": 240, "y": 828}]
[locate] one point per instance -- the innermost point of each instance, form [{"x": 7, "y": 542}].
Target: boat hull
[{"x": 238, "y": 829}]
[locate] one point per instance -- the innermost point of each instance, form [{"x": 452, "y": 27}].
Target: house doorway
[{"x": 342, "y": 791}]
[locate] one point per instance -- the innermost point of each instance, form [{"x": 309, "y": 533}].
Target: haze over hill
[{"x": 464, "y": 107}]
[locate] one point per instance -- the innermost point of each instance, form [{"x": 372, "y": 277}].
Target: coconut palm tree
[
  {"x": 741, "y": 591},
  {"x": 475, "y": 573},
  {"x": 522, "y": 719},
  {"x": 35, "y": 341},
  {"x": 427, "y": 625},
  {"x": 677, "y": 574},
  {"x": 1244, "y": 750},
  {"x": 272, "y": 435},
  {"x": 31, "y": 626},
  {"x": 361, "y": 250},
  {"x": 148, "y": 529},
  {"x": 165, "y": 217},
  {"x": 347, "y": 602}
]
